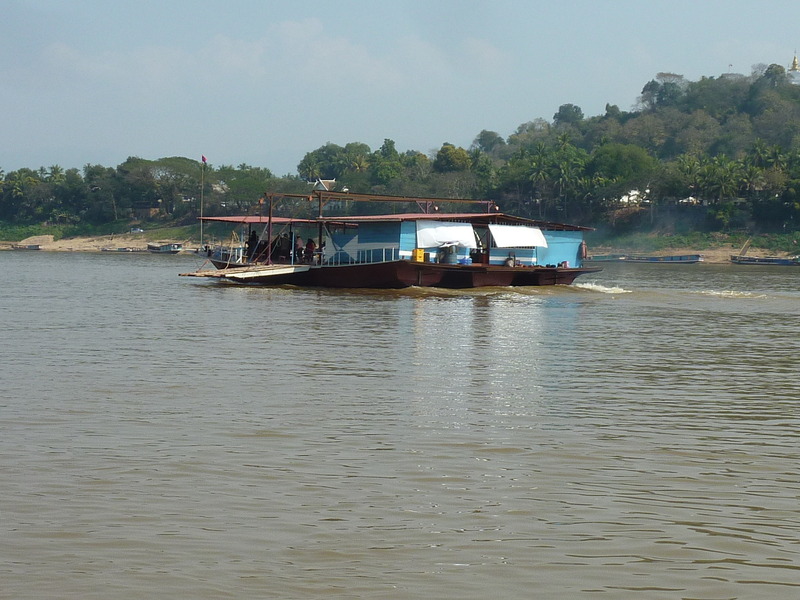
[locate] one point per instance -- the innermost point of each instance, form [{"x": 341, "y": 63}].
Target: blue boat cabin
[{"x": 379, "y": 239}]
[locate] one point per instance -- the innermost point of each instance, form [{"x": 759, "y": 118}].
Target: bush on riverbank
[
  {"x": 639, "y": 243},
  {"x": 17, "y": 233}
]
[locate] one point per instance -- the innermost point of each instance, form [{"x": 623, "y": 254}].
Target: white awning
[
  {"x": 517, "y": 236},
  {"x": 436, "y": 234}
]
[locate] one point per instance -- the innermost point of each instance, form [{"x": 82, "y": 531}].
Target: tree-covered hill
[{"x": 717, "y": 154}]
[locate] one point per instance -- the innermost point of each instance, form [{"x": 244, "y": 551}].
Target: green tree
[
  {"x": 450, "y": 158},
  {"x": 387, "y": 164},
  {"x": 355, "y": 158},
  {"x": 242, "y": 188},
  {"x": 104, "y": 195},
  {"x": 55, "y": 174},
  {"x": 326, "y": 162},
  {"x": 626, "y": 163},
  {"x": 488, "y": 141},
  {"x": 568, "y": 114},
  {"x": 719, "y": 179}
]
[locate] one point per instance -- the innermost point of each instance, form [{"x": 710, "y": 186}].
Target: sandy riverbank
[{"x": 84, "y": 244}]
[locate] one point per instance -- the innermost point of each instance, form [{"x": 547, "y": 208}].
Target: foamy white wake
[
  {"x": 595, "y": 287},
  {"x": 732, "y": 294}
]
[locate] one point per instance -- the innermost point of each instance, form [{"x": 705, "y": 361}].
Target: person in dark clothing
[
  {"x": 251, "y": 245},
  {"x": 310, "y": 247},
  {"x": 285, "y": 251}
]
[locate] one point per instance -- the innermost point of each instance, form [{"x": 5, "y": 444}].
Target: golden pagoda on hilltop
[{"x": 794, "y": 71}]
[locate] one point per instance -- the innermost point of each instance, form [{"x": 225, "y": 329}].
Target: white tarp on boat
[
  {"x": 432, "y": 234},
  {"x": 517, "y": 236}
]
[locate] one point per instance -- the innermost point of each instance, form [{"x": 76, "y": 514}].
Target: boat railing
[
  {"x": 232, "y": 254},
  {"x": 363, "y": 256}
]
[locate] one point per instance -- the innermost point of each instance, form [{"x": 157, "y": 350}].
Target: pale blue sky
[{"x": 263, "y": 82}]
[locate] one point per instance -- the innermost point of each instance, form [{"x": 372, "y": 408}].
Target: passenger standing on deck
[
  {"x": 310, "y": 247},
  {"x": 298, "y": 248},
  {"x": 251, "y": 244},
  {"x": 285, "y": 247}
]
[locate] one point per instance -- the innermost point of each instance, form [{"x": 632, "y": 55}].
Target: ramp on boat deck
[{"x": 253, "y": 273}]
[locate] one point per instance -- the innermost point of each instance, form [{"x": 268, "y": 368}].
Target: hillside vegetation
[{"x": 716, "y": 156}]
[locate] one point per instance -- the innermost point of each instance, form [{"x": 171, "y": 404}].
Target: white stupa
[{"x": 794, "y": 72}]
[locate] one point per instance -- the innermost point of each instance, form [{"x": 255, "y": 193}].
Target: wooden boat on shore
[
  {"x": 604, "y": 258},
  {"x": 782, "y": 261},
  {"x": 427, "y": 249},
  {"x": 26, "y": 247},
  {"x": 635, "y": 258},
  {"x": 168, "y": 248},
  {"x": 670, "y": 259}
]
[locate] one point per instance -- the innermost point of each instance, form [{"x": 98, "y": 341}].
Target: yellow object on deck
[{"x": 418, "y": 255}]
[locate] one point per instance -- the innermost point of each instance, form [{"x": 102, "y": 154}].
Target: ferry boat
[{"x": 429, "y": 248}]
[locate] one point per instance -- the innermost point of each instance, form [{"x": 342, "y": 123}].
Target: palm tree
[
  {"x": 759, "y": 155},
  {"x": 720, "y": 178},
  {"x": 688, "y": 166},
  {"x": 55, "y": 174},
  {"x": 752, "y": 179},
  {"x": 359, "y": 163},
  {"x": 539, "y": 169},
  {"x": 20, "y": 182}
]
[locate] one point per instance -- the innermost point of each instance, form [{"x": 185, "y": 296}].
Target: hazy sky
[{"x": 263, "y": 82}]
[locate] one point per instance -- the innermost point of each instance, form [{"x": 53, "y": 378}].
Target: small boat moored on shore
[
  {"x": 604, "y": 258},
  {"x": 123, "y": 249},
  {"x": 783, "y": 261},
  {"x": 743, "y": 259},
  {"x": 635, "y": 258},
  {"x": 168, "y": 248},
  {"x": 671, "y": 259}
]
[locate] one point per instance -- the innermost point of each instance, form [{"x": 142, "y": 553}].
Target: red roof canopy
[
  {"x": 247, "y": 219},
  {"x": 474, "y": 218}
]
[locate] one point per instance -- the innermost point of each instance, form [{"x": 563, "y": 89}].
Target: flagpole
[{"x": 202, "y": 191}]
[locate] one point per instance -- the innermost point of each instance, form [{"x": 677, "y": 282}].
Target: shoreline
[{"x": 136, "y": 243}]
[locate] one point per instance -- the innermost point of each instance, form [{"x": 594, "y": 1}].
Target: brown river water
[{"x": 635, "y": 436}]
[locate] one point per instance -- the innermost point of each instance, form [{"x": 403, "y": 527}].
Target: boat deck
[{"x": 251, "y": 272}]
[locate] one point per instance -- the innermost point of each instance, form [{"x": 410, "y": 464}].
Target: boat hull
[
  {"x": 398, "y": 274},
  {"x": 403, "y": 273},
  {"x": 223, "y": 264}
]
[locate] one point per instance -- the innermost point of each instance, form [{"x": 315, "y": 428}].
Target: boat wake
[
  {"x": 596, "y": 287},
  {"x": 732, "y": 294}
]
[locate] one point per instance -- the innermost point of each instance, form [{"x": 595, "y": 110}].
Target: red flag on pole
[{"x": 204, "y": 160}]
